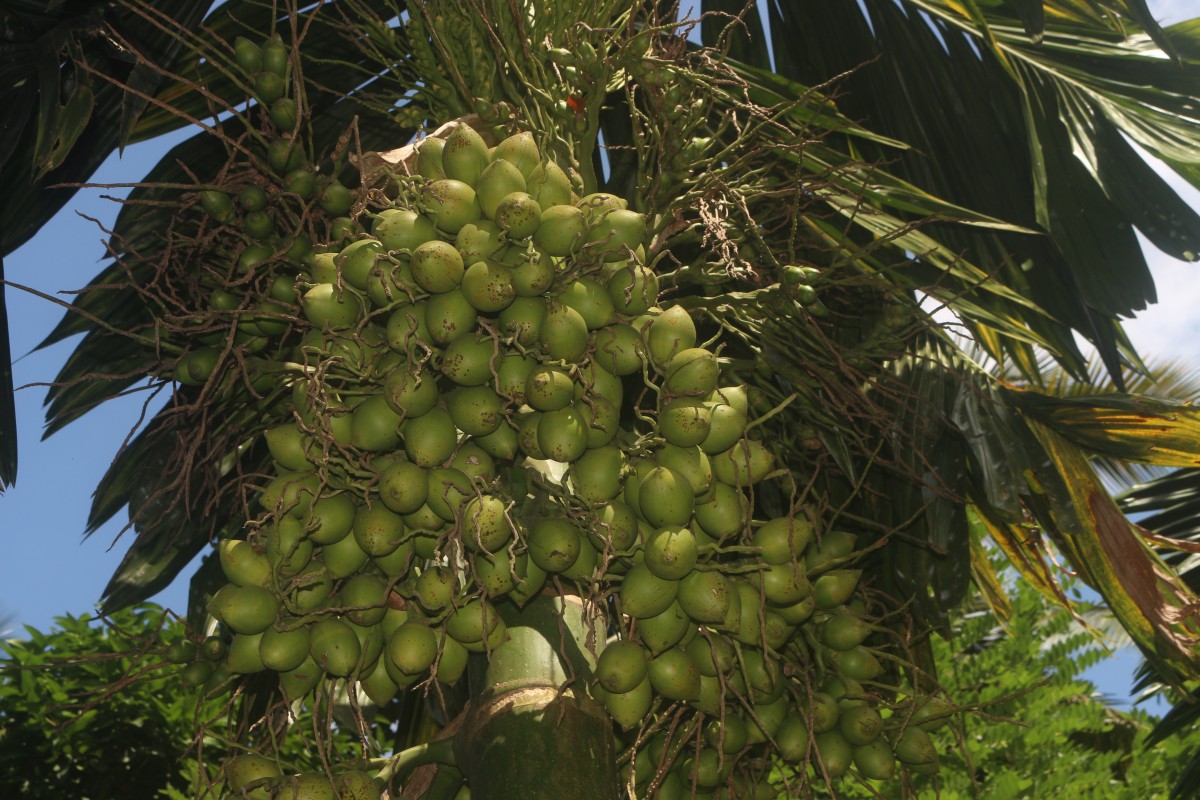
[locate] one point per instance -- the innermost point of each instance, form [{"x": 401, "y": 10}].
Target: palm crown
[{"x": 982, "y": 157}]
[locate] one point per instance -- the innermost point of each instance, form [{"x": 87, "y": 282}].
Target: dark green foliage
[{"x": 65, "y": 732}]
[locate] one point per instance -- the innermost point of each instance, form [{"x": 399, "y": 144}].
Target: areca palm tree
[{"x": 809, "y": 200}]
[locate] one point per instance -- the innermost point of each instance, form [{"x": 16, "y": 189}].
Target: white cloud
[
  {"x": 1171, "y": 327},
  {"x": 1168, "y": 12}
]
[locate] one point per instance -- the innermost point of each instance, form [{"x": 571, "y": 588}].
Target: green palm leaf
[
  {"x": 62, "y": 119},
  {"x": 1023, "y": 115}
]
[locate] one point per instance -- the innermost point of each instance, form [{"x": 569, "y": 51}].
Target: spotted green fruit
[
  {"x": 561, "y": 230},
  {"x": 248, "y": 56},
  {"x": 666, "y": 498},
  {"x": 344, "y": 557},
  {"x": 488, "y": 286},
  {"x": 633, "y": 289},
  {"x": 590, "y": 299},
  {"x": 554, "y": 544},
  {"x": 357, "y": 259},
  {"x": 690, "y": 462},
  {"x": 451, "y": 204},
  {"x": 468, "y": 359},
  {"x": 746, "y": 463},
  {"x": 520, "y": 150},
  {"x": 705, "y": 596},
  {"x": 622, "y": 666},
  {"x": 644, "y": 594},
  {"x": 412, "y": 647},
  {"x": 374, "y": 426},
  {"x": 629, "y": 709},
  {"x": 437, "y": 266},
  {"x": 410, "y": 393},
  {"x": 479, "y": 241},
  {"x": 429, "y": 158},
  {"x": 198, "y": 366},
  {"x": 619, "y": 349},
  {"x": 549, "y": 388},
  {"x": 378, "y": 530},
  {"x": 518, "y": 214},
  {"x": 596, "y": 476},
  {"x": 562, "y": 435},
  {"x": 597, "y": 204},
  {"x": 533, "y": 273},
  {"x": 858, "y": 663},
  {"x": 196, "y": 674},
  {"x": 915, "y": 746},
  {"x": 615, "y": 529},
  {"x": 283, "y": 650},
  {"x": 243, "y": 658},
  {"x": 674, "y": 675},
  {"x": 402, "y": 229},
  {"x": 364, "y": 597},
  {"x": 330, "y": 518},
  {"x": 430, "y": 439},
  {"x": 783, "y": 584},
  {"x": 664, "y": 630},
  {"x": 447, "y": 317},
  {"x": 242, "y": 564},
  {"x": 670, "y": 333},
  {"x": 835, "y": 587},
  {"x": 712, "y": 654},
  {"x": 564, "y": 334},
  {"x": 476, "y": 410},
  {"x": 275, "y": 55},
  {"x": 325, "y": 306},
  {"x": 831, "y": 547},
  {"x": 875, "y": 761},
  {"x": 550, "y": 186},
  {"x": 403, "y": 488},
  {"x": 616, "y": 234},
  {"x": 247, "y": 768},
  {"x": 844, "y": 631},
  {"x": 834, "y": 753},
  {"x": 472, "y": 622},
  {"x": 494, "y": 573},
  {"x": 245, "y": 609},
  {"x": 670, "y": 552},
  {"x": 498, "y": 180},
  {"x": 334, "y": 646},
  {"x": 932, "y": 713},
  {"x": 692, "y": 372},
  {"x": 287, "y": 548},
  {"x": 284, "y": 114},
  {"x": 336, "y": 199},
  {"x": 300, "y": 182},
  {"x": 860, "y": 724},
  {"x": 465, "y": 155},
  {"x": 284, "y": 155}
]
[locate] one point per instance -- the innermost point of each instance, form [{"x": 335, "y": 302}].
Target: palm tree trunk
[{"x": 534, "y": 733}]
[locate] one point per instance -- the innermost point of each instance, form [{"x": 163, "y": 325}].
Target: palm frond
[{"x": 1024, "y": 115}]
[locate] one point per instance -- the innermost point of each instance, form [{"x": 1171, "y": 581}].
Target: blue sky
[{"x": 48, "y": 571}]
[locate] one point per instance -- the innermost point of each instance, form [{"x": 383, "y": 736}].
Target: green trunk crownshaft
[{"x": 528, "y": 735}]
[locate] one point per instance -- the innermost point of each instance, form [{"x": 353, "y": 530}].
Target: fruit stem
[
  {"x": 748, "y": 549},
  {"x": 439, "y": 752}
]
